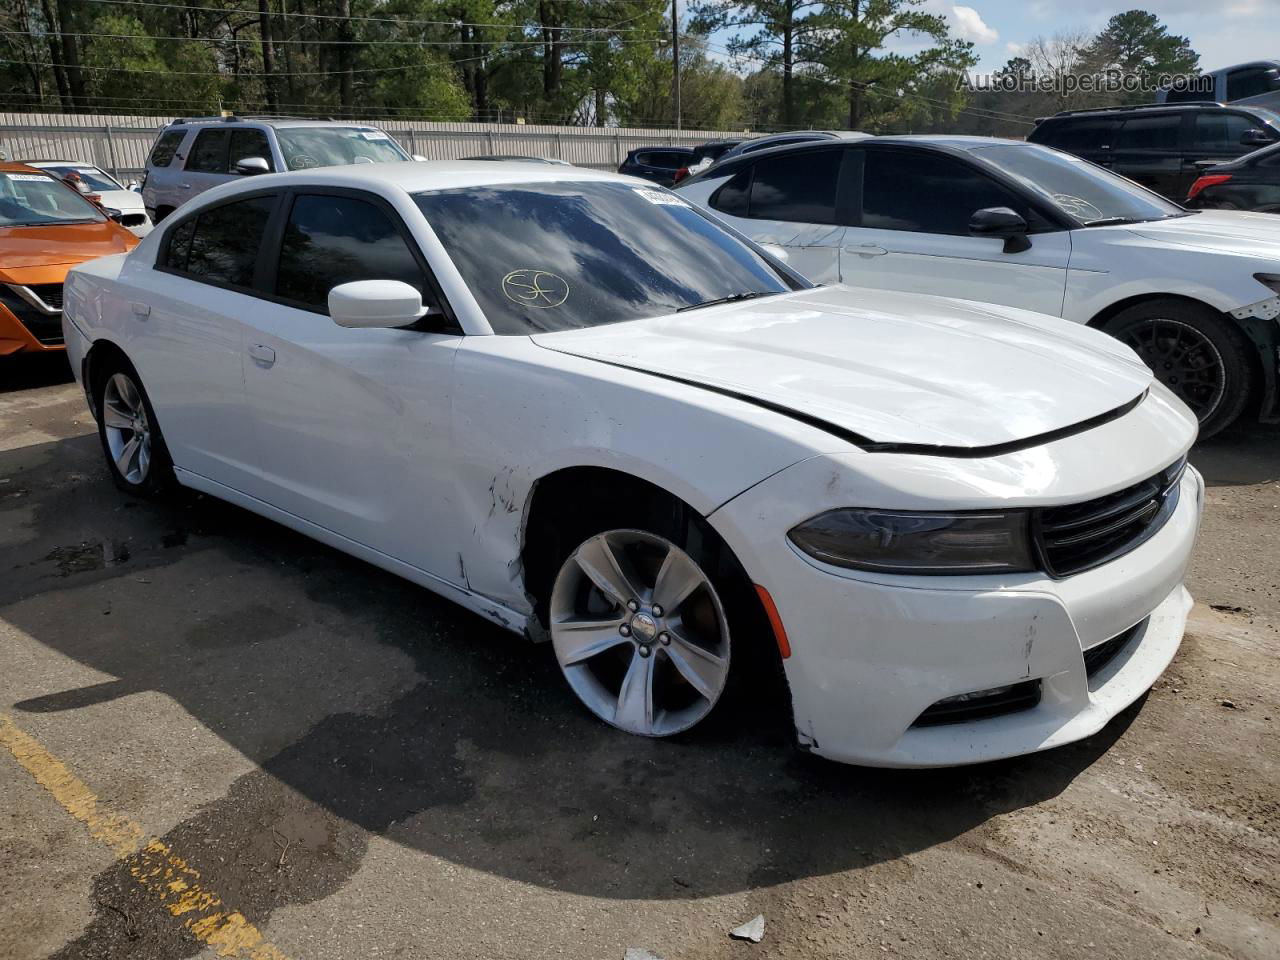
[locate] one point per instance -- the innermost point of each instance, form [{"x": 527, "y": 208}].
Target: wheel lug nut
[
  {"x": 644, "y": 649},
  {"x": 664, "y": 639},
  {"x": 657, "y": 610},
  {"x": 633, "y": 605},
  {"x": 625, "y": 630}
]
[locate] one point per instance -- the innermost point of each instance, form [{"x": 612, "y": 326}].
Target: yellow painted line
[{"x": 174, "y": 882}]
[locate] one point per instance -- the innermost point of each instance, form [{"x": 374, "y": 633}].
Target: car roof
[
  {"x": 61, "y": 163},
  {"x": 278, "y": 122},
  {"x": 428, "y": 175},
  {"x": 11, "y": 167}
]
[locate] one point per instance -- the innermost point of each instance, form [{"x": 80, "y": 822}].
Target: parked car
[
  {"x": 192, "y": 155},
  {"x": 704, "y": 155},
  {"x": 1250, "y": 183},
  {"x": 757, "y": 144},
  {"x": 1015, "y": 223},
  {"x": 1160, "y": 147},
  {"x": 959, "y": 529},
  {"x": 45, "y": 229},
  {"x": 516, "y": 157},
  {"x": 129, "y": 210},
  {"x": 658, "y": 164},
  {"x": 1255, "y": 84}
]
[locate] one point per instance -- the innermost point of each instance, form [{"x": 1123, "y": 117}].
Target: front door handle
[
  {"x": 866, "y": 250},
  {"x": 185, "y": 186},
  {"x": 263, "y": 354}
]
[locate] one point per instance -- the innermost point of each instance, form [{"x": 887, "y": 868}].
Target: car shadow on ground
[
  {"x": 479, "y": 754},
  {"x": 25, "y": 371},
  {"x": 1246, "y": 453}
]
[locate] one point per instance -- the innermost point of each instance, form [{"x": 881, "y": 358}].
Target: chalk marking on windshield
[{"x": 535, "y": 288}]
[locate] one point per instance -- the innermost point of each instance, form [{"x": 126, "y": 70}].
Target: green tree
[{"x": 1137, "y": 43}]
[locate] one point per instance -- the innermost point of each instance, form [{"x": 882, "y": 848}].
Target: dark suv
[
  {"x": 658, "y": 164},
  {"x": 1160, "y": 146}
]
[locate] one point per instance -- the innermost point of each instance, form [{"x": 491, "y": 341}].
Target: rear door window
[
  {"x": 209, "y": 153},
  {"x": 220, "y": 245},
  {"x": 927, "y": 193},
  {"x": 1150, "y": 133},
  {"x": 1251, "y": 82},
  {"x": 800, "y": 188},
  {"x": 162, "y": 153},
  {"x": 249, "y": 143},
  {"x": 331, "y": 240},
  {"x": 1081, "y": 135}
]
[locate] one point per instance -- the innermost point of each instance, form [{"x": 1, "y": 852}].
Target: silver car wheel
[
  {"x": 640, "y": 633},
  {"x": 127, "y": 428}
]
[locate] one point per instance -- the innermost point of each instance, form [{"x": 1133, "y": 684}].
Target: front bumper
[{"x": 871, "y": 654}]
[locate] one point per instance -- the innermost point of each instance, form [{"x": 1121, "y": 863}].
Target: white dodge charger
[{"x": 578, "y": 406}]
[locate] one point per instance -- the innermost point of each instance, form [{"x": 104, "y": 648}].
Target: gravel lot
[{"x": 357, "y": 769}]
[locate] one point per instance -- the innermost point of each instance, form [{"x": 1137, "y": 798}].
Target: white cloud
[{"x": 967, "y": 24}]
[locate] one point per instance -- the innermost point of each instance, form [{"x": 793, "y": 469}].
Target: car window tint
[
  {"x": 927, "y": 193},
  {"x": 179, "y": 248},
  {"x": 800, "y": 188},
  {"x": 734, "y": 196},
  {"x": 1087, "y": 133},
  {"x": 1150, "y": 133},
  {"x": 225, "y": 245},
  {"x": 162, "y": 153},
  {"x": 1249, "y": 83},
  {"x": 333, "y": 240},
  {"x": 1222, "y": 131},
  {"x": 209, "y": 154},
  {"x": 249, "y": 143}
]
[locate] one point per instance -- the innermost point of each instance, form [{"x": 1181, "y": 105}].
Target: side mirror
[
  {"x": 134, "y": 186},
  {"x": 420, "y": 158},
  {"x": 1001, "y": 223},
  {"x": 1255, "y": 138},
  {"x": 775, "y": 251},
  {"x": 251, "y": 166},
  {"x": 365, "y": 304},
  {"x": 113, "y": 213}
]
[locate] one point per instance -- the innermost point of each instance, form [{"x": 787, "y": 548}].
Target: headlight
[
  {"x": 1271, "y": 280},
  {"x": 895, "y": 542}
]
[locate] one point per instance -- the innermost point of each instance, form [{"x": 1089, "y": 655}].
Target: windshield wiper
[
  {"x": 732, "y": 298},
  {"x": 1114, "y": 221}
]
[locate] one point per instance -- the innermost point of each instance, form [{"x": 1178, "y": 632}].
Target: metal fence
[{"x": 119, "y": 144}]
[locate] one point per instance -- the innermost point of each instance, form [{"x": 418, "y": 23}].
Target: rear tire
[
  {"x": 1196, "y": 352},
  {"x": 131, "y": 440}
]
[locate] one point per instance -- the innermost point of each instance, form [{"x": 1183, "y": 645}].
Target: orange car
[{"x": 46, "y": 228}]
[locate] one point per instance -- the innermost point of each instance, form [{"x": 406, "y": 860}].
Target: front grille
[
  {"x": 49, "y": 293},
  {"x": 133, "y": 219},
  {"x": 44, "y": 325},
  {"x": 1081, "y": 536},
  {"x": 1097, "y": 657},
  {"x": 983, "y": 705}
]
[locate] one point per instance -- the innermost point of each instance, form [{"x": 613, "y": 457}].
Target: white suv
[
  {"x": 190, "y": 156},
  {"x": 1195, "y": 294}
]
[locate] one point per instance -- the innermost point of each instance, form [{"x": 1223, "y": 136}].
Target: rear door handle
[
  {"x": 263, "y": 354},
  {"x": 185, "y": 186},
  {"x": 140, "y": 309},
  {"x": 866, "y": 250}
]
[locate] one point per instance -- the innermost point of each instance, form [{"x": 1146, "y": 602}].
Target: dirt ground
[{"x": 221, "y": 738}]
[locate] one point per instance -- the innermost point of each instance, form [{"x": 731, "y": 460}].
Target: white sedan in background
[
  {"x": 579, "y": 407},
  {"x": 123, "y": 204},
  {"x": 1196, "y": 294}
]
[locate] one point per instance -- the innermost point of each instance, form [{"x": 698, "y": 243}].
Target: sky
[{"x": 1223, "y": 32}]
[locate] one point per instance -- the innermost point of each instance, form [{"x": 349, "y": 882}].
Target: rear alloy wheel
[
  {"x": 1195, "y": 352},
  {"x": 640, "y": 632},
  {"x": 135, "y": 450}
]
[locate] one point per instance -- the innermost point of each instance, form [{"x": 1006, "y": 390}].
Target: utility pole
[{"x": 675, "y": 61}]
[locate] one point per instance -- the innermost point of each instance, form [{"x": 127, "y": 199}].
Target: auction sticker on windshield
[{"x": 656, "y": 196}]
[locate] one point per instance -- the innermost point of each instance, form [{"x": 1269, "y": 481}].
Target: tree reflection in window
[{"x": 227, "y": 239}]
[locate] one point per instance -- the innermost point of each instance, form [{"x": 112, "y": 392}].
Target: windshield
[
  {"x": 1086, "y": 193},
  {"x": 33, "y": 200},
  {"x": 558, "y": 256},
  {"x": 307, "y": 147},
  {"x": 97, "y": 180}
]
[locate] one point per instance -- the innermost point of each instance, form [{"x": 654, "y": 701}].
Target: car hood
[
  {"x": 1228, "y": 231},
  {"x": 122, "y": 200},
  {"x": 892, "y": 368},
  {"x": 63, "y": 243}
]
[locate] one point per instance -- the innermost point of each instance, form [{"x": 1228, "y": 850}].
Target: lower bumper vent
[{"x": 982, "y": 704}]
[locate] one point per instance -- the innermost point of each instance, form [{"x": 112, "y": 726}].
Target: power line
[
  {"x": 358, "y": 43},
  {"x": 256, "y": 14}
]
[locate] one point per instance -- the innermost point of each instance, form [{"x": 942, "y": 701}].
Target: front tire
[
  {"x": 1194, "y": 351},
  {"x": 640, "y": 632},
  {"x": 131, "y": 440}
]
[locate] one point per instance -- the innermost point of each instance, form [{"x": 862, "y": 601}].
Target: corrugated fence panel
[{"x": 119, "y": 143}]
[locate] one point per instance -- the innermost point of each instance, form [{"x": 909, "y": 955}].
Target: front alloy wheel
[
  {"x": 127, "y": 429},
  {"x": 640, "y": 633},
  {"x": 1184, "y": 360}
]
